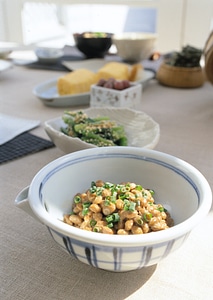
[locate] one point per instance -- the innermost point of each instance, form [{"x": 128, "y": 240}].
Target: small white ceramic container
[
  {"x": 141, "y": 129},
  {"x": 48, "y": 55},
  {"x": 130, "y": 97},
  {"x": 180, "y": 187}
]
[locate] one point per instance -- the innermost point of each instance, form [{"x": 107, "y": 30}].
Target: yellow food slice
[
  {"x": 76, "y": 82},
  {"x": 135, "y": 72},
  {"x": 119, "y": 71}
]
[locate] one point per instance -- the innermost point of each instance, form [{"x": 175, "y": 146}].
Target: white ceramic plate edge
[
  {"x": 47, "y": 93},
  {"x": 5, "y": 65},
  {"x": 52, "y": 128}
]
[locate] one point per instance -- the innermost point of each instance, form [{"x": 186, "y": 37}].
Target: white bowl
[
  {"x": 178, "y": 186},
  {"x": 141, "y": 129},
  {"x": 134, "y": 46},
  {"x": 48, "y": 55}
]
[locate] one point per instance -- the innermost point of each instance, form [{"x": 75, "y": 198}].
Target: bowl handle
[{"x": 22, "y": 202}]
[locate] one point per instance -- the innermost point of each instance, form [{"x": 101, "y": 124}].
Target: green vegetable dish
[{"x": 100, "y": 131}]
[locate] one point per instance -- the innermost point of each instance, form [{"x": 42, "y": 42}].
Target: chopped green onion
[
  {"x": 152, "y": 192},
  {"x": 93, "y": 189},
  {"x": 93, "y": 223},
  {"x": 139, "y": 221},
  {"x": 147, "y": 217},
  {"x": 108, "y": 185},
  {"x": 132, "y": 206},
  {"x": 116, "y": 217},
  {"x": 96, "y": 229},
  {"x": 160, "y": 208},
  {"x": 85, "y": 209},
  {"x": 86, "y": 204},
  {"x": 107, "y": 202},
  {"x": 122, "y": 197},
  {"x": 77, "y": 199},
  {"x": 109, "y": 218},
  {"x": 126, "y": 204},
  {"x": 138, "y": 187},
  {"x": 129, "y": 205},
  {"x": 138, "y": 203},
  {"x": 113, "y": 218},
  {"x": 93, "y": 184},
  {"x": 99, "y": 191},
  {"x": 144, "y": 194}
]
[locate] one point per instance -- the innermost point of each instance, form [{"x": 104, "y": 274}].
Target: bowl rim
[
  {"x": 114, "y": 240},
  {"x": 81, "y": 35},
  {"x": 134, "y": 36}
]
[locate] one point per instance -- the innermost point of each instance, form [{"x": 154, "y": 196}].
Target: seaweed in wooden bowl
[{"x": 182, "y": 69}]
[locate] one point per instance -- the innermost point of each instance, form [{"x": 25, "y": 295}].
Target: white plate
[
  {"x": 6, "y": 48},
  {"x": 4, "y": 65},
  {"x": 141, "y": 129},
  {"x": 47, "y": 93}
]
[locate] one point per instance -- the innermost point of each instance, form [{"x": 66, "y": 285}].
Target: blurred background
[{"x": 51, "y": 23}]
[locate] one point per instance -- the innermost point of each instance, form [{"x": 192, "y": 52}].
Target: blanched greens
[{"x": 100, "y": 131}]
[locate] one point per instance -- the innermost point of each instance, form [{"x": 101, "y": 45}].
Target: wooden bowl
[{"x": 180, "y": 77}]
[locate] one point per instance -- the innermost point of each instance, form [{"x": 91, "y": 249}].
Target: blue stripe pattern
[
  {"x": 116, "y": 259},
  {"x": 119, "y": 155}
]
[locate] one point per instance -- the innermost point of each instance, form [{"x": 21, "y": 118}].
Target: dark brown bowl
[{"x": 93, "y": 45}]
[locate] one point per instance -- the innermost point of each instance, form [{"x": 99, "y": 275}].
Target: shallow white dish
[
  {"x": 5, "y": 65},
  {"x": 48, "y": 94},
  {"x": 142, "y": 131}
]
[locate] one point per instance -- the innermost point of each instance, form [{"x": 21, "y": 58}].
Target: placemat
[
  {"x": 58, "y": 66},
  {"x": 23, "y": 144},
  {"x": 11, "y": 126}
]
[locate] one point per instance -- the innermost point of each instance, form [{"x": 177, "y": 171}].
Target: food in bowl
[
  {"x": 93, "y": 44},
  {"x": 178, "y": 186},
  {"x": 99, "y": 131},
  {"x": 115, "y": 93},
  {"x": 114, "y": 84},
  {"x": 188, "y": 57},
  {"x": 134, "y": 46},
  {"x": 182, "y": 69},
  {"x": 80, "y": 81},
  {"x": 122, "y": 209},
  {"x": 131, "y": 120}
]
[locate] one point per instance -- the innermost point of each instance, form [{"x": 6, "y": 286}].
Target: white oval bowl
[
  {"x": 141, "y": 129},
  {"x": 134, "y": 46},
  {"x": 180, "y": 187}
]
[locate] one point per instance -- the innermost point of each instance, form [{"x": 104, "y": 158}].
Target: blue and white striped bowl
[{"x": 180, "y": 187}]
